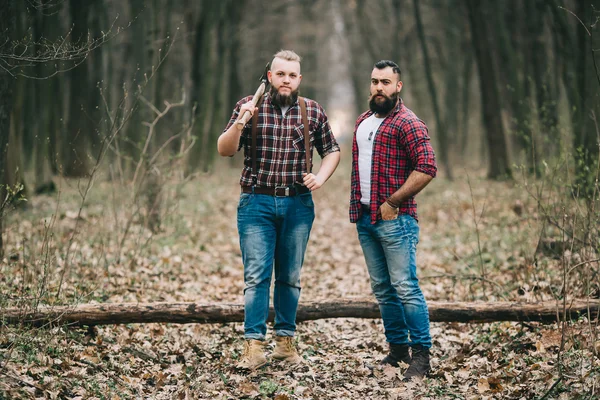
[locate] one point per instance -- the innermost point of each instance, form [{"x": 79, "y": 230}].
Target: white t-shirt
[
  {"x": 365, "y": 137},
  {"x": 284, "y": 110}
]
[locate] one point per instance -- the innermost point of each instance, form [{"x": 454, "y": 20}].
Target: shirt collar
[{"x": 399, "y": 106}]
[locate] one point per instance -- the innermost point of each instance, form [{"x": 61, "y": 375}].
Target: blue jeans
[
  {"x": 390, "y": 252},
  {"x": 273, "y": 231}
]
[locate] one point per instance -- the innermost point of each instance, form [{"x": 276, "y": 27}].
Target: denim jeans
[
  {"x": 273, "y": 231},
  {"x": 390, "y": 253}
]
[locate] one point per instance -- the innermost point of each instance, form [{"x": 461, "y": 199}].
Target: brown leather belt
[{"x": 279, "y": 191}]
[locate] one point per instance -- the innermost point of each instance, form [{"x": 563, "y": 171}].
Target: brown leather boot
[
  {"x": 285, "y": 350},
  {"x": 253, "y": 356}
]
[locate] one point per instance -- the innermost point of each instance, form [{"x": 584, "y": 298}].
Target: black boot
[
  {"x": 398, "y": 353},
  {"x": 419, "y": 366}
]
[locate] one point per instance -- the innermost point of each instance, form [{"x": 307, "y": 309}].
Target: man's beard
[
  {"x": 283, "y": 100},
  {"x": 386, "y": 106}
]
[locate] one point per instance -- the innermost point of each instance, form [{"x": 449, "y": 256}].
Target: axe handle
[{"x": 246, "y": 117}]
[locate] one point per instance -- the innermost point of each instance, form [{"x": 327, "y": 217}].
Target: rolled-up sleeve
[
  {"x": 418, "y": 146},
  {"x": 325, "y": 142}
]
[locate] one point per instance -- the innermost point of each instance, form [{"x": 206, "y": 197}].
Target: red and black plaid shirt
[
  {"x": 280, "y": 148},
  {"x": 402, "y": 145}
]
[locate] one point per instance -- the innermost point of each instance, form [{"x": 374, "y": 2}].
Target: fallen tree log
[{"x": 184, "y": 313}]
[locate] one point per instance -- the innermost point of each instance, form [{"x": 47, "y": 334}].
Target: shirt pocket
[{"x": 298, "y": 138}]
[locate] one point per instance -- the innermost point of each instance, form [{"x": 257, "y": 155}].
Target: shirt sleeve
[
  {"x": 418, "y": 146},
  {"x": 325, "y": 142},
  {"x": 234, "y": 117}
]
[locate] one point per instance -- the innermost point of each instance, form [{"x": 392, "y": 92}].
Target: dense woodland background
[
  {"x": 112, "y": 190},
  {"x": 499, "y": 83}
]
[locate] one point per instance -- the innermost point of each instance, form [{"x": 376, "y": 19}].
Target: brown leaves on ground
[{"x": 463, "y": 255}]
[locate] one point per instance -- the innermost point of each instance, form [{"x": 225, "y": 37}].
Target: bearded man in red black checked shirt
[
  {"x": 276, "y": 211},
  {"x": 392, "y": 161}
]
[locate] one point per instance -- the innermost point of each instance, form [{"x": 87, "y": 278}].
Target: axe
[{"x": 264, "y": 83}]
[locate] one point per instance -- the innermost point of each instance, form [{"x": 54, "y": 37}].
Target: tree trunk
[
  {"x": 546, "y": 92},
  {"x": 441, "y": 133},
  {"x": 217, "y": 113},
  {"x": 453, "y": 50},
  {"x": 202, "y": 84},
  {"x": 465, "y": 100},
  {"x": 13, "y": 165},
  {"x": 154, "y": 180},
  {"x": 14, "y": 171},
  {"x": 79, "y": 127},
  {"x": 580, "y": 80},
  {"x": 46, "y": 126},
  {"x": 499, "y": 167},
  {"x": 183, "y": 313},
  {"x": 586, "y": 126},
  {"x": 7, "y": 83},
  {"x": 97, "y": 79},
  {"x": 515, "y": 91},
  {"x": 207, "y": 114},
  {"x": 142, "y": 58}
]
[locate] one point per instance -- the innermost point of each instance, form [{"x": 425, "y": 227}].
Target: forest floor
[{"x": 478, "y": 243}]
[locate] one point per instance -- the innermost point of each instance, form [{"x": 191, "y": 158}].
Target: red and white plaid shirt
[
  {"x": 280, "y": 142},
  {"x": 402, "y": 145}
]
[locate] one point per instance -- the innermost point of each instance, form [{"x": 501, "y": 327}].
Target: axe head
[{"x": 264, "y": 78}]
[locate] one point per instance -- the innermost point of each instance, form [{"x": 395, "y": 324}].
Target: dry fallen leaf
[
  {"x": 495, "y": 385},
  {"x": 483, "y": 385},
  {"x": 248, "y": 388}
]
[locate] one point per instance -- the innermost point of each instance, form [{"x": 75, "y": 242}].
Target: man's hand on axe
[
  {"x": 248, "y": 107},
  {"x": 228, "y": 141}
]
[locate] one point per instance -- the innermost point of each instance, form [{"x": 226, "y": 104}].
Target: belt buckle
[{"x": 286, "y": 192}]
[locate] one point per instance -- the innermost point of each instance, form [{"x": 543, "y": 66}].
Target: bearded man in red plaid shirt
[
  {"x": 276, "y": 210},
  {"x": 392, "y": 161}
]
